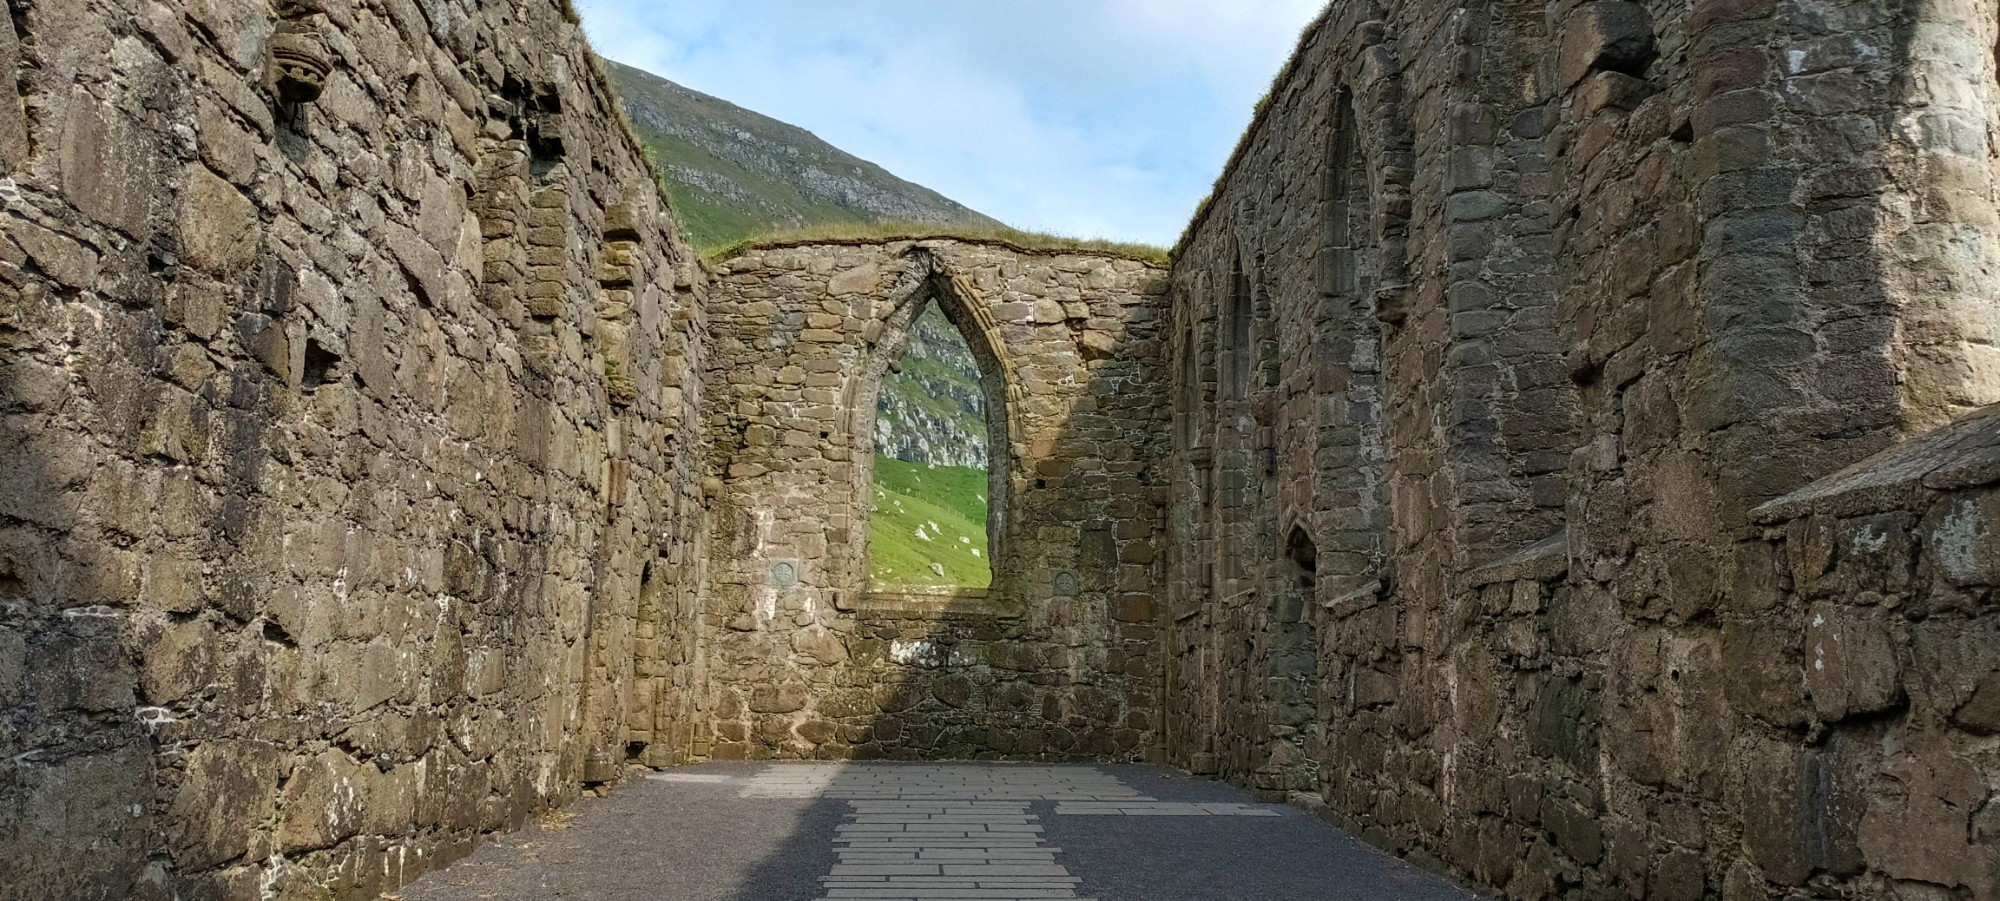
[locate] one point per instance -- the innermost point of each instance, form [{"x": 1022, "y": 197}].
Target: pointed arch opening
[
  {"x": 933, "y": 453},
  {"x": 1239, "y": 317}
]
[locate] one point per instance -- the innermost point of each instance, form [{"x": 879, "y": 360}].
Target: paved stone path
[{"x": 924, "y": 832}]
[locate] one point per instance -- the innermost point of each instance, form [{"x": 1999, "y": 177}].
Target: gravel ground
[{"x": 689, "y": 835}]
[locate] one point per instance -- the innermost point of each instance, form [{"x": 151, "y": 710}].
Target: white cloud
[{"x": 1101, "y": 119}]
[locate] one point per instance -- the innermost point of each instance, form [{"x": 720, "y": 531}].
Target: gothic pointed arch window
[
  {"x": 1239, "y": 316},
  {"x": 1346, "y": 207},
  {"x": 936, "y": 451}
]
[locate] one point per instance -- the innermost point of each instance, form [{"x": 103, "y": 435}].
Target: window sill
[{"x": 934, "y": 604}]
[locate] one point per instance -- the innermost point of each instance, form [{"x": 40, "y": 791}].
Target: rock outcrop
[{"x": 931, "y": 409}]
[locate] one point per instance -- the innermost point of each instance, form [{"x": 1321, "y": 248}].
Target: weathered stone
[
  {"x": 322, "y": 803},
  {"x": 1922, "y": 831},
  {"x": 784, "y": 698},
  {"x": 820, "y": 646},
  {"x": 1851, "y": 666},
  {"x": 108, "y": 167},
  {"x": 1612, "y": 35},
  {"x": 1704, "y": 317},
  {"x": 218, "y": 225},
  {"x": 858, "y": 280},
  {"x": 228, "y": 789}
]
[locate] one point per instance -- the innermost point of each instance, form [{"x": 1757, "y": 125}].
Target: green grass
[
  {"x": 1013, "y": 239},
  {"x": 948, "y": 505}
]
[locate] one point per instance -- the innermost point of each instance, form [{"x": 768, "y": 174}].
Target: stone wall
[
  {"x": 349, "y": 468},
  {"x": 1561, "y": 450},
  {"x": 1059, "y": 659},
  {"x": 1370, "y": 384},
  {"x": 1491, "y": 561}
]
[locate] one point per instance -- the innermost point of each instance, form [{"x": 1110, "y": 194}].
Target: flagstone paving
[{"x": 918, "y": 832}]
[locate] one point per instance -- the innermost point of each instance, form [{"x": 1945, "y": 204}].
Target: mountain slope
[
  {"x": 733, "y": 173},
  {"x": 933, "y": 411}
]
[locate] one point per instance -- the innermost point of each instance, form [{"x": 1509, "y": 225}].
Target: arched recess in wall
[
  {"x": 1187, "y": 419},
  {"x": 1237, "y": 331},
  {"x": 1356, "y": 261},
  {"x": 1346, "y": 208},
  {"x": 928, "y": 283}
]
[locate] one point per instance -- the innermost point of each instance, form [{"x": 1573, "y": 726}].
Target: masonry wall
[
  {"x": 1491, "y": 564},
  {"x": 1059, "y": 660},
  {"x": 348, "y": 461}
]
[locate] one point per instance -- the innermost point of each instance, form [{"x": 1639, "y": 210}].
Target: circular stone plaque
[{"x": 1065, "y": 584}]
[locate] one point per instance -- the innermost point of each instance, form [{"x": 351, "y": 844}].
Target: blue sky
[{"x": 1093, "y": 118}]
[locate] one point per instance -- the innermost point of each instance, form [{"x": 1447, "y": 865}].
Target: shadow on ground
[
  {"x": 689, "y": 835},
  {"x": 664, "y": 837}
]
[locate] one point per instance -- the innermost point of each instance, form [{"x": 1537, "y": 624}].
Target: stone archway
[{"x": 925, "y": 282}]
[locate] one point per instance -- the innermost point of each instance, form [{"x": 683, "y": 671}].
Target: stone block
[
  {"x": 1611, "y": 90},
  {"x": 1962, "y": 536},
  {"x": 1133, "y": 608},
  {"x": 219, "y": 227},
  {"x": 109, "y": 167},
  {"x": 322, "y": 803},
  {"x": 1765, "y": 675},
  {"x": 819, "y": 645},
  {"x": 13, "y": 119},
  {"x": 1709, "y": 13},
  {"x": 58, "y": 256},
  {"x": 228, "y": 789},
  {"x": 953, "y": 691},
  {"x": 181, "y": 659},
  {"x": 1678, "y": 876},
  {"x": 1611, "y": 35},
  {"x": 785, "y": 697},
  {"x": 1851, "y": 666},
  {"x": 1980, "y": 714},
  {"x": 1922, "y": 829},
  {"x": 1951, "y": 663},
  {"x": 859, "y": 280},
  {"x": 1576, "y": 831},
  {"x": 1779, "y": 806},
  {"x": 81, "y": 837}
]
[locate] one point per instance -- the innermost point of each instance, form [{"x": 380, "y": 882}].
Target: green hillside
[
  {"x": 733, "y": 173},
  {"x": 923, "y": 516}
]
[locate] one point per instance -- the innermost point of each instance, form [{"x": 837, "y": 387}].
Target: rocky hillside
[
  {"x": 734, "y": 174},
  {"x": 933, "y": 412}
]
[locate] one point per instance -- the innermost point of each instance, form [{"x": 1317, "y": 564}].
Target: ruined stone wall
[
  {"x": 348, "y": 465},
  {"x": 1630, "y": 274},
  {"x": 1385, "y": 231},
  {"x": 1059, "y": 659}
]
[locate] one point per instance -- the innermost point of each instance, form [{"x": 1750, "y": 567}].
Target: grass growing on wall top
[
  {"x": 927, "y": 515},
  {"x": 1014, "y": 239}
]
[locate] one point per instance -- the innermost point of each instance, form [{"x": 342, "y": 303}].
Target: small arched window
[{"x": 1239, "y": 314}]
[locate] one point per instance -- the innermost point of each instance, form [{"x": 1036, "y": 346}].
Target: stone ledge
[
  {"x": 1964, "y": 454},
  {"x": 1349, "y": 603},
  {"x": 1543, "y": 561},
  {"x": 967, "y": 602}
]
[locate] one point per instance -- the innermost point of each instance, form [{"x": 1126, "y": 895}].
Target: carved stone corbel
[{"x": 299, "y": 58}]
